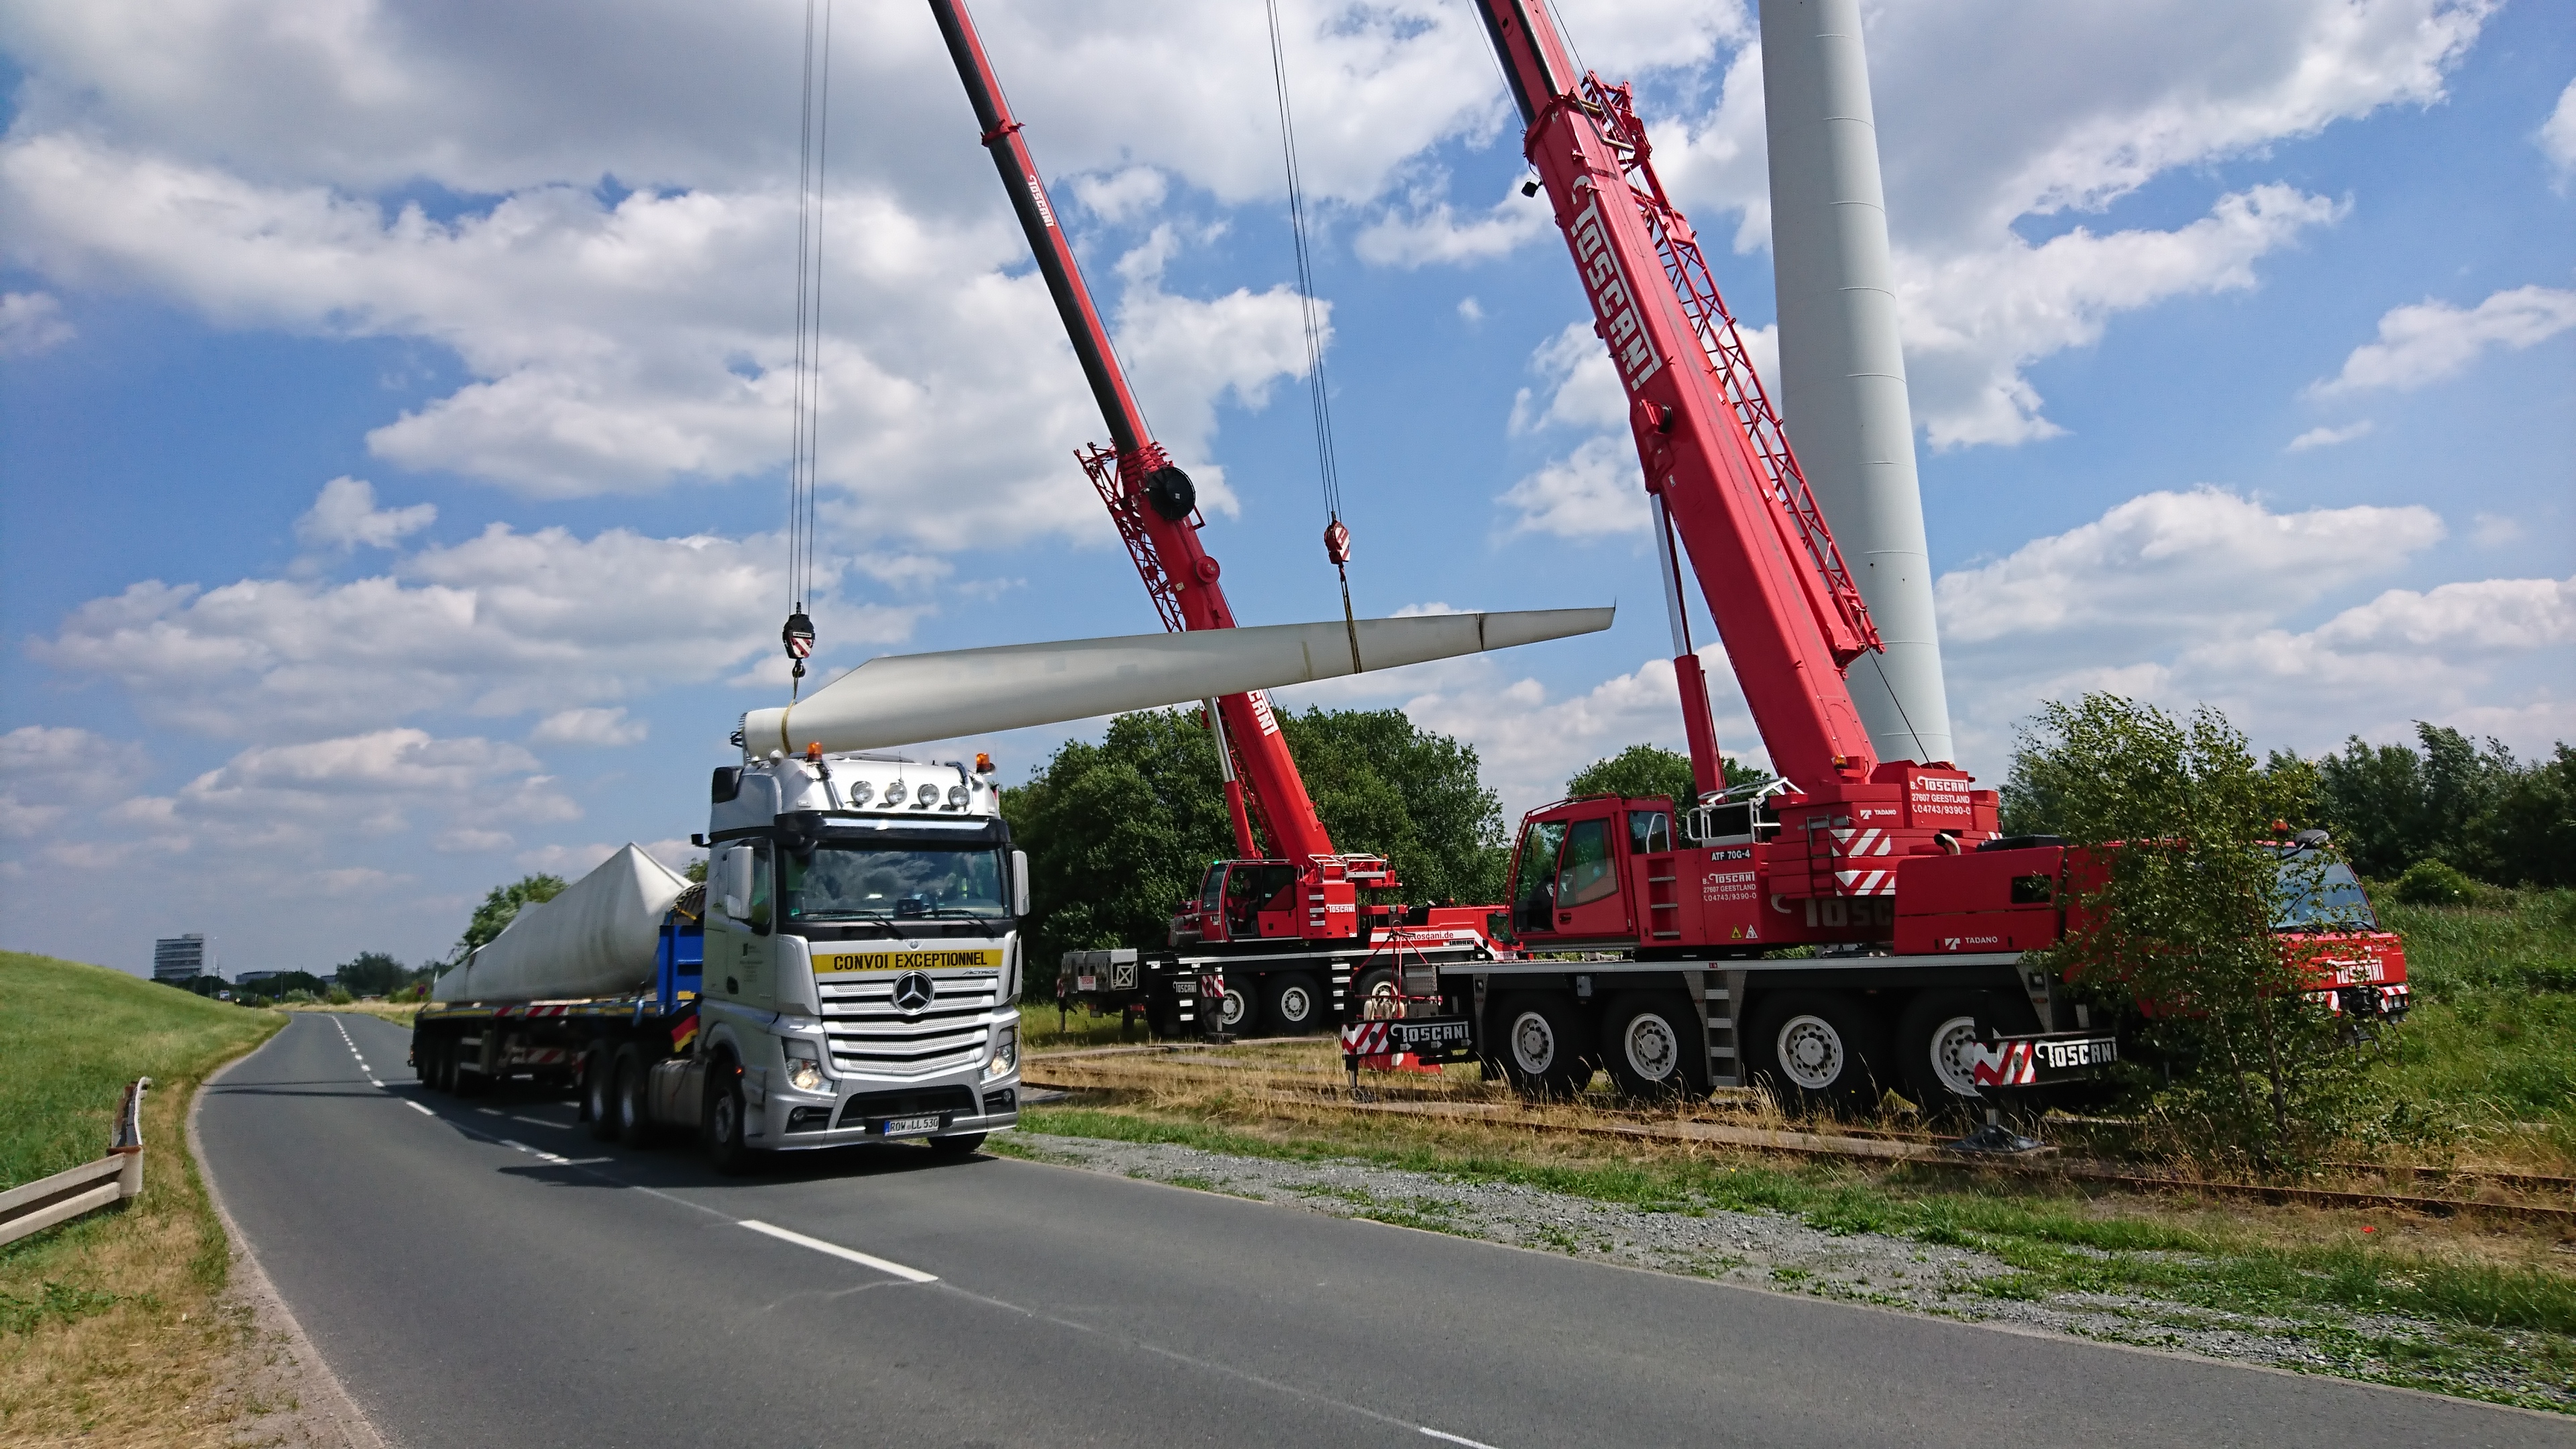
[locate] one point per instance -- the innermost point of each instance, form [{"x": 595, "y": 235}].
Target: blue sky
[{"x": 391, "y": 432}]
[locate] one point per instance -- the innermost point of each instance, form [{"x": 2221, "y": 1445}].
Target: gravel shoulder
[{"x": 1781, "y": 1252}]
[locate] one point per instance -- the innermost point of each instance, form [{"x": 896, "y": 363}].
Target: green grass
[
  {"x": 74, "y": 1035},
  {"x": 2484, "y": 1316},
  {"x": 1039, "y": 1032},
  {"x": 2489, "y": 1051},
  {"x": 111, "y": 1327}
]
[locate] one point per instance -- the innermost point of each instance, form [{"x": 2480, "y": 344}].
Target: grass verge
[
  {"x": 2485, "y": 1065},
  {"x": 2488, "y": 1315},
  {"x": 113, "y": 1330}
]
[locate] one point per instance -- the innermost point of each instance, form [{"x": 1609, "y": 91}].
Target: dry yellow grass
[{"x": 399, "y": 1013}]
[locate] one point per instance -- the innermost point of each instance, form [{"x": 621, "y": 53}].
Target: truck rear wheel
[
  {"x": 442, "y": 1065},
  {"x": 599, "y": 1091},
  {"x": 1291, "y": 1004},
  {"x": 1377, "y": 996},
  {"x": 1653, "y": 1043},
  {"x": 1815, "y": 1051},
  {"x": 1934, "y": 1036},
  {"x": 631, "y": 1091},
  {"x": 1541, "y": 1047}
]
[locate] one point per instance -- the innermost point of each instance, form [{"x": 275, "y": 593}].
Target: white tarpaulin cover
[{"x": 596, "y": 939}]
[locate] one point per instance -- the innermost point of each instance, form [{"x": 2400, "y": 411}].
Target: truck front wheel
[
  {"x": 951, "y": 1149},
  {"x": 725, "y": 1118}
]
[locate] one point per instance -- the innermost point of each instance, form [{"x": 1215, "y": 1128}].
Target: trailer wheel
[
  {"x": 443, "y": 1065},
  {"x": 725, "y": 1118},
  {"x": 952, "y": 1149},
  {"x": 1291, "y": 1004},
  {"x": 1654, "y": 1046},
  {"x": 599, "y": 1091},
  {"x": 1815, "y": 1051},
  {"x": 1541, "y": 1046},
  {"x": 1934, "y": 1035},
  {"x": 632, "y": 1088}
]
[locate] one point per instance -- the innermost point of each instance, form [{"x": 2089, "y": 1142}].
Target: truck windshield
[
  {"x": 852, "y": 882},
  {"x": 2309, "y": 897}
]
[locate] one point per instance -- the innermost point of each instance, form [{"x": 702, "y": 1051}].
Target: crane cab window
[
  {"x": 1534, "y": 908},
  {"x": 1212, "y": 890},
  {"x": 1251, "y": 889},
  {"x": 1650, "y": 832},
  {"x": 1585, "y": 873}
]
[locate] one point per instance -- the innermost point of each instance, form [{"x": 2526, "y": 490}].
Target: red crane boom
[
  {"x": 1149, "y": 497},
  {"x": 1722, "y": 477}
]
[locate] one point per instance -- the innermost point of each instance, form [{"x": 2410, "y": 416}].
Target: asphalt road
[{"x": 480, "y": 1273}]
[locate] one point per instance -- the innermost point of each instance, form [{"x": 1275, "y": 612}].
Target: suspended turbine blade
[{"x": 905, "y": 699}]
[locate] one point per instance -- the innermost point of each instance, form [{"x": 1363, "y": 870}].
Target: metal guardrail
[{"x": 92, "y": 1185}]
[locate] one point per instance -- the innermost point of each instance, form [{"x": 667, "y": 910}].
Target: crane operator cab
[{"x": 1248, "y": 900}]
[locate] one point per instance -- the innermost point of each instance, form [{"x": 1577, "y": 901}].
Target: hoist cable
[
  {"x": 805, "y": 382},
  {"x": 1337, "y": 537}
]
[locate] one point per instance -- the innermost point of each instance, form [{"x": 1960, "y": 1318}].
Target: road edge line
[{"x": 252, "y": 1282}]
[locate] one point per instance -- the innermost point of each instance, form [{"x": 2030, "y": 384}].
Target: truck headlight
[
  {"x": 1006, "y": 1052},
  {"x": 804, "y": 1065}
]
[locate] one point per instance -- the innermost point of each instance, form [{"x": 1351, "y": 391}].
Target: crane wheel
[
  {"x": 1292, "y": 1003},
  {"x": 1543, "y": 1048},
  {"x": 1933, "y": 1036},
  {"x": 1655, "y": 1046},
  {"x": 1818, "y": 1051}
]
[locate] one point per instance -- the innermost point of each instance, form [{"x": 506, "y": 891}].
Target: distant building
[
  {"x": 183, "y": 958},
  {"x": 253, "y": 978}
]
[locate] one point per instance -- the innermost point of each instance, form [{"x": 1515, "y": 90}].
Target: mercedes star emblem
[{"x": 912, "y": 992}]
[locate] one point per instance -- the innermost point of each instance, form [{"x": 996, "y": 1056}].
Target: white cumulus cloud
[
  {"x": 32, "y": 323},
  {"x": 345, "y": 515},
  {"x": 2425, "y": 342}
]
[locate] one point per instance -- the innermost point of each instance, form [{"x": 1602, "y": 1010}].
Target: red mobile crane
[
  {"x": 1647, "y": 944},
  {"x": 1285, "y": 924}
]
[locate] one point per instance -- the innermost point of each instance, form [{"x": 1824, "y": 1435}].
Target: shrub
[
  {"x": 2180, "y": 936},
  {"x": 2431, "y": 883},
  {"x": 339, "y": 997}
]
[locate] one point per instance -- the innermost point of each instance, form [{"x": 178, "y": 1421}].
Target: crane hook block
[
  {"x": 1337, "y": 543},
  {"x": 798, "y": 635},
  {"x": 1171, "y": 492}
]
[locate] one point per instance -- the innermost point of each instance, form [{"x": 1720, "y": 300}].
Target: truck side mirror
[
  {"x": 1019, "y": 882},
  {"x": 733, "y": 879}
]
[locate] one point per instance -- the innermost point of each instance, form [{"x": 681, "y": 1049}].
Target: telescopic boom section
[
  {"x": 1713, "y": 450},
  {"x": 1151, "y": 500}
]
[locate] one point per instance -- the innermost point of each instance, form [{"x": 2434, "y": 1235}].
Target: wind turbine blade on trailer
[{"x": 905, "y": 699}]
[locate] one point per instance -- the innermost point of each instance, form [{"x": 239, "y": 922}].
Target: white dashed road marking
[
  {"x": 424, "y": 1111},
  {"x": 853, "y": 1255},
  {"x": 541, "y": 1156}
]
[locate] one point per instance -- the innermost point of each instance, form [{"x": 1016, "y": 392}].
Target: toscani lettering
[{"x": 1611, "y": 300}]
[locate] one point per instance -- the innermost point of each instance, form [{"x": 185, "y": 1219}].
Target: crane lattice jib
[{"x": 1831, "y": 588}]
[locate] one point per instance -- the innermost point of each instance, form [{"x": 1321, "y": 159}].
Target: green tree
[
  {"x": 1119, "y": 833},
  {"x": 2179, "y": 935},
  {"x": 1382, "y": 785},
  {"x": 2475, "y": 809},
  {"x": 503, "y": 905},
  {"x": 1652, "y": 770},
  {"x": 373, "y": 973}
]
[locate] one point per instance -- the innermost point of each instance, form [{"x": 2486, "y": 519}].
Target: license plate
[{"x": 909, "y": 1126}]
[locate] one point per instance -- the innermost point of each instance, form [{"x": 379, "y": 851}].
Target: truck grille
[{"x": 870, "y": 1035}]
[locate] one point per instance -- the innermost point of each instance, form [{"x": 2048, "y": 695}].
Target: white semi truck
[{"x": 850, "y": 972}]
